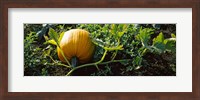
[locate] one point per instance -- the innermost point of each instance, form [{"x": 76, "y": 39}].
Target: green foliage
[
  {"x": 144, "y": 35},
  {"x": 121, "y": 49},
  {"x": 158, "y": 43},
  {"x": 54, "y": 35},
  {"x": 38, "y": 57},
  {"x": 32, "y": 53},
  {"x": 162, "y": 45}
]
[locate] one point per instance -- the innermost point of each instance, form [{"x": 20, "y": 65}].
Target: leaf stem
[
  {"x": 97, "y": 67},
  {"x": 52, "y": 59},
  {"x": 63, "y": 65},
  {"x": 93, "y": 64},
  {"x": 60, "y": 65},
  {"x": 114, "y": 55},
  {"x": 102, "y": 58},
  {"x": 90, "y": 64},
  {"x": 64, "y": 55}
]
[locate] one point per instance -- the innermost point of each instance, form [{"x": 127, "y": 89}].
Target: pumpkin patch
[{"x": 100, "y": 50}]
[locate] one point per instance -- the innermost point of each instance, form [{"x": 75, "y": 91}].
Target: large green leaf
[
  {"x": 52, "y": 41},
  {"x": 158, "y": 43},
  {"x": 54, "y": 35},
  {"x": 161, "y": 45},
  {"x": 144, "y": 35}
]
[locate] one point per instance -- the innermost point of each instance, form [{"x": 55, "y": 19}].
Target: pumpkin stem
[{"x": 74, "y": 61}]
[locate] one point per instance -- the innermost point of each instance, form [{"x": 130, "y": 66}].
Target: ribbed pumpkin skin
[{"x": 76, "y": 42}]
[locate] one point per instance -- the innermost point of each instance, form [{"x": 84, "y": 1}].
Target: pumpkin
[{"x": 76, "y": 46}]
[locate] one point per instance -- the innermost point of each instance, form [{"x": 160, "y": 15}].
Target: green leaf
[
  {"x": 159, "y": 48},
  {"x": 54, "y": 35},
  {"x": 125, "y": 27},
  {"x": 60, "y": 37},
  {"x": 170, "y": 44},
  {"x": 61, "y": 26},
  {"x": 113, "y": 29},
  {"x": 99, "y": 42},
  {"x": 122, "y": 28},
  {"x": 120, "y": 34},
  {"x": 159, "y": 38},
  {"x": 53, "y": 42},
  {"x": 161, "y": 45},
  {"x": 138, "y": 60},
  {"x": 173, "y": 35},
  {"x": 158, "y": 43},
  {"x": 144, "y": 35}
]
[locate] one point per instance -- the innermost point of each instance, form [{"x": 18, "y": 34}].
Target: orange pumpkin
[{"x": 76, "y": 43}]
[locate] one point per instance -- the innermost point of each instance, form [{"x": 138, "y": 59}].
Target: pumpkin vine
[{"x": 57, "y": 42}]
